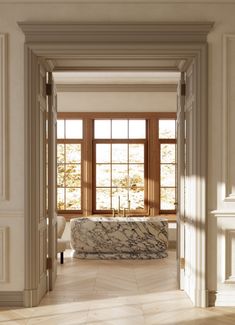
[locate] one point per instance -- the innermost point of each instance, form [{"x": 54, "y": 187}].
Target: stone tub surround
[{"x": 99, "y": 237}]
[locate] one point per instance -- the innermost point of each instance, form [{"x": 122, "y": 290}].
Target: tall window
[
  {"x": 167, "y": 141},
  {"x": 120, "y": 164},
  {"x": 69, "y": 158},
  {"x": 111, "y": 161}
]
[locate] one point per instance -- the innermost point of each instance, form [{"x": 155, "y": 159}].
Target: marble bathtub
[{"x": 99, "y": 237}]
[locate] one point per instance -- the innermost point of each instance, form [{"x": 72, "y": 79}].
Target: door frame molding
[{"x": 120, "y": 45}]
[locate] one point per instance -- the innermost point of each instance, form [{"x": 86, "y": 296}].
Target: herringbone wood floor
[{"x": 117, "y": 293}]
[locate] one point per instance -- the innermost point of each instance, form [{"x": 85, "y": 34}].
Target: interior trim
[
  {"x": 3, "y": 118},
  {"x": 115, "y": 88},
  {"x": 120, "y": 45},
  {"x": 11, "y": 298},
  {"x": 165, "y": 32}
]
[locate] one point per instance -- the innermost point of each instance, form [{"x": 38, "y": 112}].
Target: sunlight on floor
[{"x": 118, "y": 292}]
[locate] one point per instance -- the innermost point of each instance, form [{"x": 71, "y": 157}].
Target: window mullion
[
  {"x": 88, "y": 175},
  {"x": 65, "y": 167}
]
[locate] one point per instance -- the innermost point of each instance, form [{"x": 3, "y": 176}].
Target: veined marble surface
[{"x": 99, "y": 237}]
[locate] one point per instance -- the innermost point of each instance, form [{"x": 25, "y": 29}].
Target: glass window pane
[
  {"x": 73, "y": 153},
  {"x": 60, "y": 175},
  {"x": 119, "y": 153},
  {"x": 103, "y": 153},
  {"x": 136, "y": 175},
  {"x": 102, "y": 129},
  {"x": 73, "y": 175},
  {"x": 119, "y": 129},
  {"x": 60, "y": 129},
  {"x": 116, "y": 194},
  {"x": 119, "y": 195},
  {"x": 166, "y": 129},
  {"x": 137, "y": 129},
  {"x": 136, "y": 153},
  {"x": 74, "y": 129},
  {"x": 103, "y": 175},
  {"x": 73, "y": 199},
  {"x": 60, "y": 198},
  {"x": 137, "y": 198},
  {"x": 167, "y": 199},
  {"x": 119, "y": 175},
  {"x": 168, "y": 175},
  {"x": 103, "y": 200},
  {"x": 167, "y": 153},
  {"x": 60, "y": 153}
]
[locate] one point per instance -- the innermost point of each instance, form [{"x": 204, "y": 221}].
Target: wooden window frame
[
  {"x": 67, "y": 213},
  {"x": 152, "y": 157},
  {"x": 166, "y": 141},
  {"x": 124, "y": 141}
]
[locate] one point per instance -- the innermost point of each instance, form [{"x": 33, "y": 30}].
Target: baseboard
[
  {"x": 222, "y": 298},
  {"x": 212, "y": 298},
  {"x": 12, "y": 298},
  {"x": 32, "y": 297}
]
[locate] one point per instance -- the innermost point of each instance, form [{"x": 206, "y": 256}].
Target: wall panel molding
[
  {"x": 228, "y": 117},
  {"x": 11, "y": 213},
  {"x": 4, "y": 253},
  {"x": 230, "y": 256},
  {"x": 225, "y": 288},
  {"x": 3, "y": 119}
]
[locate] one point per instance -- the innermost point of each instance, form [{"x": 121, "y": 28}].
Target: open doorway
[
  {"x": 138, "y": 106},
  {"x": 124, "y": 125},
  {"x": 142, "y": 53},
  {"x": 92, "y": 182}
]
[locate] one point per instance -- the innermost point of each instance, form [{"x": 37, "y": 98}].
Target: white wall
[
  {"x": 117, "y": 102},
  {"x": 223, "y": 16}
]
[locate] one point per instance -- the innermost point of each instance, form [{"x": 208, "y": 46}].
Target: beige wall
[
  {"x": 223, "y": 16},
  {"x": 117, "y": 102}
]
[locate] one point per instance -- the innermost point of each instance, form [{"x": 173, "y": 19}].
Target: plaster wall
[
  {"x": 117, "y": 102},
  {"x": 222, "y": 13}
]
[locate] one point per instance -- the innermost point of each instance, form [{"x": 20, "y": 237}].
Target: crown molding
[
  {"x": 115, "y": 33},
  {"x": 115, "y": 88}
]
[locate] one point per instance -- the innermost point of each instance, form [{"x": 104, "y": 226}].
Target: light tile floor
[{"x": 117, "y": 293}]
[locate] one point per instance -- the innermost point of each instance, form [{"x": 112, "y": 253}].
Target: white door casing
[
  {"x": 190, "y": 183},
  {"x": 180, "y": 158},
  {"x": 119, "y": 47},
  {"x": 52, "y": 180}
]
